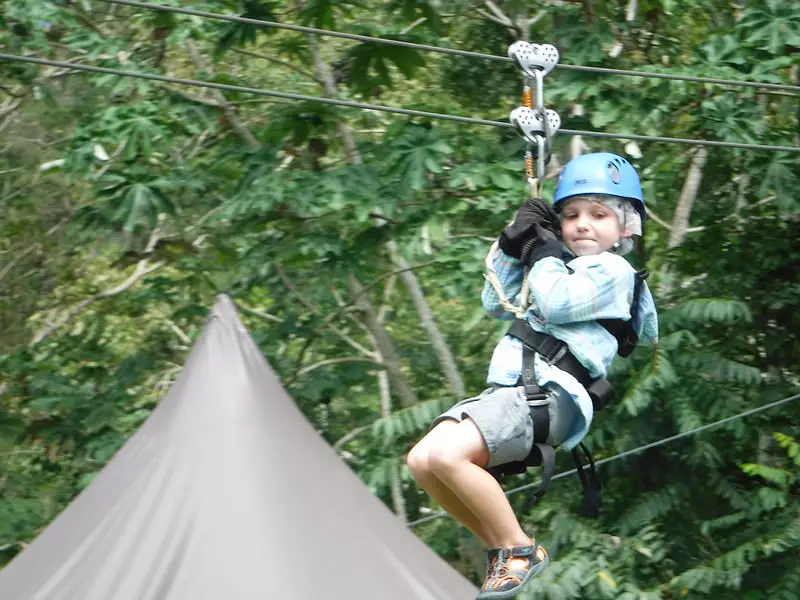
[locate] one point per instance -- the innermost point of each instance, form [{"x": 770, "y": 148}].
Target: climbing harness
[
  {"x": 556, "y": 353},
  {"x": 537, "y": 126}
]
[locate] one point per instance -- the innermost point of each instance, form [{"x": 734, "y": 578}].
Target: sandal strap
[
  {"x": 523, "y": 551},
  {"x": 519, "y": 551}
]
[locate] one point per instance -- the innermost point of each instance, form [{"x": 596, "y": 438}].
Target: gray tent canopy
[{"x": 226, "y": 491}]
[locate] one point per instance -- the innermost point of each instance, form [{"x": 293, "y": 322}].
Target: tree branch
[
  {"x": 377, "y": 280},
  {"x": 396, "y": 488},
  {"x": 277, "y": 61},
  {"x": 230, "y": 113},
  {"x": 334, "y": 361},
  {"x": 414, "y": 24},
  {"x": 388, "y": 290},
  {"x": 519, "y": 27},
  {"x": 499, "y": 16},
  {"x": 630, "y": 11},
  {"x": 588, "y": 7},
  {"x": 11, "y": 92},
  {"x": 694, "y": 176},
  {"x": 141, "y": 271},
  {"x": 383, "y": 344},
  {"x": 504, "y": 22},
  {"x": 143, "y": 268},
  {"x": 667, "y": 226},
  {"x": 180, "y": 333},
  {"x": 329, "y": 84},
  {"x": 354, "y": 433},
  {"x": 8, "y": 110},
  {"x": 428, "y": 322},
  {"x": 17, "y": 258},
  {"x": 258, "y": 313},
  {"x": 342, "y": 335},
  {"x": 114, "y": 155},
  {"x": 193, "y": 98}
]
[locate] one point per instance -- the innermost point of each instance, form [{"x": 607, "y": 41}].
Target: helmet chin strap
[{"x": 622, "y": 246}]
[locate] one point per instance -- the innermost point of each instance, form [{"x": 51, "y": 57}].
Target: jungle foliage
[{"x": 127, "y": 205}]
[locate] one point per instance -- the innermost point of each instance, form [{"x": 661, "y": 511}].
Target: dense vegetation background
[{"x": 353, "y": 243}]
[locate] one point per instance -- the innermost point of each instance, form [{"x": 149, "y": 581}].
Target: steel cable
[
  {"x": 637, "y": 450},
  {"x": 377, "y": 107},
  {"x": 442, "y": 50}
]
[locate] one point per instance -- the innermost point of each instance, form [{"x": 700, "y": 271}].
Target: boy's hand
[
  {"x": 544, "y": 243},
  {"x": 533, "y": 213}
]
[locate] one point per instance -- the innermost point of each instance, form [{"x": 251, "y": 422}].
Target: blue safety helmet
[{"x": 600, "y": 173}]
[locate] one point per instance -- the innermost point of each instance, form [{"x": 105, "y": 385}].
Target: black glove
[
  {"x": 533, "y": 212},
  {"x": 543, "y": 243}
]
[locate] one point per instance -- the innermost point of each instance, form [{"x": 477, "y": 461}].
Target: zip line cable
[
  {"x": 378, "y": 107},
  {"x": 442, "y": 50},
  {"x": 649, "y": 446}
]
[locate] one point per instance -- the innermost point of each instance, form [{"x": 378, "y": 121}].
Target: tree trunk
[
  {"x": 683, "y": 212},
  {"x": 383, "y": 343},
  {"x": 229, "y": 111},
  {"x": 329, "y": 84},
  {"x": 741, "y": 193},
  {"x": 588, "y": 9},
  {"x": 437, "y": 340},
  {"x": 576, "y": 143},
  {"x": 794, "y": 74},
  {"x": 395, "y": 483}
]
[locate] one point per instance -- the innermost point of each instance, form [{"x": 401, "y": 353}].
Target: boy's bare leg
[
  {"x": 435, "y": 488},
  {"x": 459, "y": 466}
]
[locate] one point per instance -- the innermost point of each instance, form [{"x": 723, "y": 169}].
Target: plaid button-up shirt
[{"x": 566, "y": 300}]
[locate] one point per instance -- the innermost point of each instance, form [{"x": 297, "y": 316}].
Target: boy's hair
[{"x": 629, "y": 218}]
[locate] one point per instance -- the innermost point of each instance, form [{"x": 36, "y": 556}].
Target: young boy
[{"x": 577, "y": 277}]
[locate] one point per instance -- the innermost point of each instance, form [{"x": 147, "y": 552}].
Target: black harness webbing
[
  {"x": 556, "y": 353},
  {"x": 553, "y": 351},
  {"x": 542, "y": 453}
]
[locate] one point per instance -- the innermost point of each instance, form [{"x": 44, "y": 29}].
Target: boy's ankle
[{"x": 517, "y": 542}]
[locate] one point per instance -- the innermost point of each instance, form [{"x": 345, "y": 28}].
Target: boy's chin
[{"x": 585, "y": 248}]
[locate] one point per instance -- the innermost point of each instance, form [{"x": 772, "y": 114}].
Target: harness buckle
[{"x": 560, "y": 353}]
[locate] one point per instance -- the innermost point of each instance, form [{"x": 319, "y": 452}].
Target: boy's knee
[
  {"x": 417, "y": 461},
  {"x": 443, "y": 460}
]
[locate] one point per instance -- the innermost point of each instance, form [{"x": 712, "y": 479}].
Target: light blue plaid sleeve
[
  {"x": 588, "y": 288},
  {"x": 510, "y": 273},
  {"x": 647, "y": 318}
]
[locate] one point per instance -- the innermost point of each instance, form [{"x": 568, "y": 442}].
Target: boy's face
[{"x": 589, "y": 227}]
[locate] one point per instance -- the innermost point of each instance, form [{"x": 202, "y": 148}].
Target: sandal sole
[{"x": 536, "y": 570}]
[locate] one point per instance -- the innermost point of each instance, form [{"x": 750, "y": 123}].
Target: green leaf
[
  {"x": 702, "y": 311},
  {"x": 138, "y": 200},
  {"x": 773, "y": 475},
  {"x": 242, "y": 34},
  {"x": 502, "y": 180},
  {"x": 369, "y": 66}
]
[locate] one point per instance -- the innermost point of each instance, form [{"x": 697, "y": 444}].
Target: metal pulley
[
  {"x": 532, "y": 121},
  {"x": 533, "y": 58}
]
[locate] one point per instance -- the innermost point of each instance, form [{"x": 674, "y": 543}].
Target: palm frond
[
  {"x": 719, "y": 368},
  {"x": 408, "y": 421},
  {"x": 701, "y": 311},
  {"x": 651, "y": 507}
]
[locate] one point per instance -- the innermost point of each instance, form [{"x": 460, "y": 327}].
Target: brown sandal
[{"x": 510, "y": 569}]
